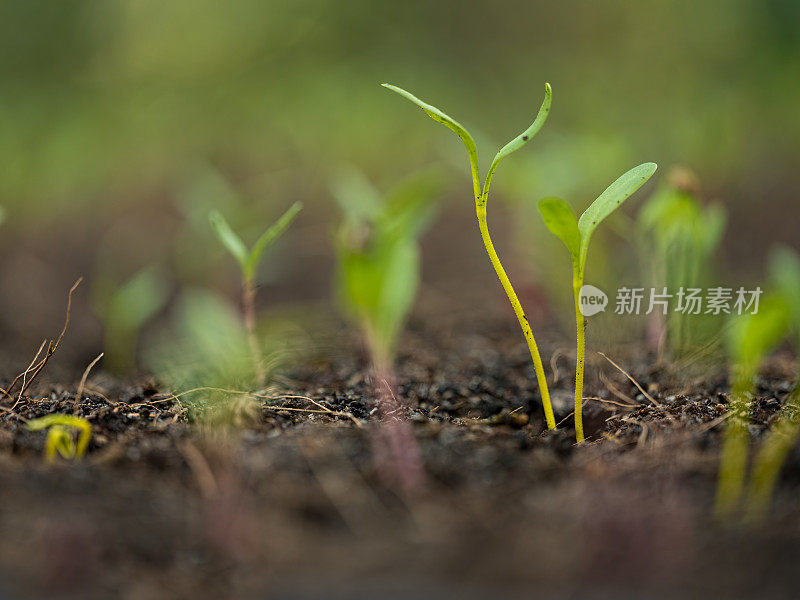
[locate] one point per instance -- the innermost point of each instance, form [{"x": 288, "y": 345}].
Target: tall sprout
[
  {"x": 576, "y": 233},
  {"x": 481, "y": 193},
  {"x": 248, "y": 260}
]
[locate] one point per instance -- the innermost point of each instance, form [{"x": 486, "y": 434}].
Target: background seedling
[
  {"x": 60, "y": 438},
  {"x": 481, "y": 197},
  {"x": 125, "y": 310},
  {"x": 576, "y": 233},
  {"x": 248, "y": 263},
  {"x": 785, "y": 276},
  {"x": 750, "y": 338},
  {"x": 676, "y": 236},
  {"x": 378, "y": 261}
]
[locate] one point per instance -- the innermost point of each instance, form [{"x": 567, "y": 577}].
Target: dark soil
[{"x": 292, "y": 504}]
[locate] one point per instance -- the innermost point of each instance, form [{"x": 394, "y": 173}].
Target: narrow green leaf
[
  {"x": 440, "y": 117},
  {"x": 269, "y": 236},
  {"x": 613, "y": 196},
  {"x": 561, "y": 221},
  {"x": 229, "y": 239},
  {"x": 523, "y": 138}
]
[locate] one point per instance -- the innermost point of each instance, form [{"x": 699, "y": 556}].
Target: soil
[{"x": 292, "y": 503}]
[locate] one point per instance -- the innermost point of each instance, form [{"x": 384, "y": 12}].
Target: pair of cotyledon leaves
[
  {"x": 558, "y": 215},
  {"x": 248, "y": 259}
]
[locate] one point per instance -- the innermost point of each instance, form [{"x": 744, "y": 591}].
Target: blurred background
[{"x": 124, "y": 122}]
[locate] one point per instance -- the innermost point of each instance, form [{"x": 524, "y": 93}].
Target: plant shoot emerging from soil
[
  {"x": 60, "y": 438},
  {"x": 378, "y": 262},
  {"x": 481, "y": 197},
  {"x": 750, "y": 339},
  {"x": 576, "y": 233},
  {"x": 785, "y": 275},
  {"x": 248, "y": 264},
  {"x": 677, "y": 237}
]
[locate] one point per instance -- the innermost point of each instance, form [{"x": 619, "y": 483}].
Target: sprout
[
  {"x": 785, "y": 274},
  {"x": 59, "y": 439},
  {"x": 750, "y": 339},
  {"x": 481, "y": 193},
  {"x": 248, "y": 263},
  {"x": 576, "y": 233},
  {"x": 378, "y": 258},
  {"x": 678, "y": 236}
]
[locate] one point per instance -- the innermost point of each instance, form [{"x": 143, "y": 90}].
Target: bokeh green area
[
  {"x": 109, "y": 106},
  {"x": 99, "y": 96}
]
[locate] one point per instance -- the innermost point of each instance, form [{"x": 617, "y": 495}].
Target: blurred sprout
[
  {"x": 60, "y": 437},
  {"x": 751, "y": 338},
  {"x": 785, "y": 276},
  {"x": 2, "y": 215},
  {"x": 378, "y": 261},
  {"x": 481, "y": 194},
  {"x": 248, "y": 264},
  {"x": 205, "y": 355},
  {"x": 677, "y": 237},
  {"x": 576, "y": 233},
  {"x": 125, "y": 310}
]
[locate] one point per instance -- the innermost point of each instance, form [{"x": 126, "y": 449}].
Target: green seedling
[
  {"x": 378, "y": 258},
  {"x": 60, "y": 438},
  {"x": 678, "y": 236},
  {"x": 575, "y": 234},
  {"x": 248, "y": 264},
  {"x": 750, "y": 339},
  {"x": 785, "y": 275},
  {"x": 481, "y": 193},
  {"x": 2, "y": 215},
  {"x": 125, "y": 310},
  {"x": 204, "y": 357}
]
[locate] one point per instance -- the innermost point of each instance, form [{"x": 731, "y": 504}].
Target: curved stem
[
  {"x": 523, "y": 320},
  {"x": 580, "y": 328}
]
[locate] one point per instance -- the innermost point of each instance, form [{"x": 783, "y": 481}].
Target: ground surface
[{"x": 293, "y": 505}]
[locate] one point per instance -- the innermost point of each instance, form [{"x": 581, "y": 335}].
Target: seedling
[
  {"x": 481, "y": 193},
  {"x": 785, "y": 272},
  {"x": 125, "y": 310},
  {"x": 678, "y": 236},
  {"x": 378, "y": 262},
  {"x": 59, "y": 437},
  {"x": 248, "y": 263},
  {"x": 575, "y": 234},
  {"x": 750, "y": 339}
]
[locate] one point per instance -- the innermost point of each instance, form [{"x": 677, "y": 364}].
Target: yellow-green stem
[
  {"x": 523, "y": 320},
  {"x": 580, "y": 327}
]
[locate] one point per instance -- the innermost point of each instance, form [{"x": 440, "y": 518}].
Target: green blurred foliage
[
  {"x": 378, "y": 258},
  {"x": 676, "y": 237},
  {"x": 124, "y": 310},
  {"x": 107, "y": 96}
]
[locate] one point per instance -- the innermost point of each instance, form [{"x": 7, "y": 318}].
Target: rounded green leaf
[{"x": 561, "y": 221}]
